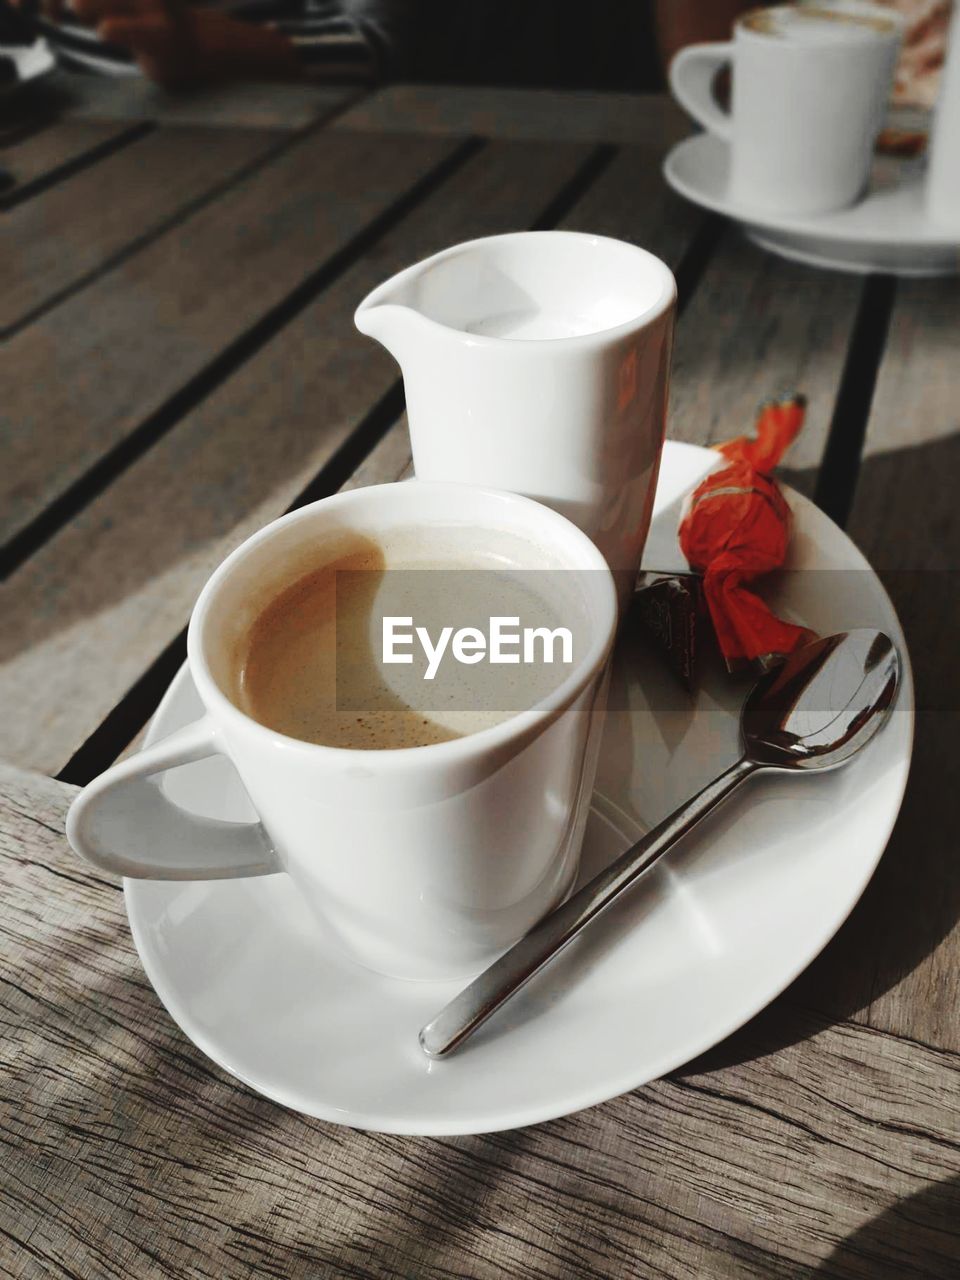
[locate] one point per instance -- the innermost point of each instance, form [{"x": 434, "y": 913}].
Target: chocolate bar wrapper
[{"x": 668, "y": 609}]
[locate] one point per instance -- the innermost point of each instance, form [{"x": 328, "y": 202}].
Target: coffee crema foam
[
  {"x": 310, "y": 665},
  {"x": 805, "y": 23}
]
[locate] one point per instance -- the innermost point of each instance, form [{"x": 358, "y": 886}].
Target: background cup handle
[
  {"x": 124, "y": 823},
  {"x": 692, "y": 74}
]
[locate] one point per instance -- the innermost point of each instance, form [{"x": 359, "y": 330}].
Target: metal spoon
[{"x": 813, "y": 712}]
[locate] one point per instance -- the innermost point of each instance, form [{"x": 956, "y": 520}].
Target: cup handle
[
  {"x": 691, "y": 82},
  {"x": 123, "y": 823}
]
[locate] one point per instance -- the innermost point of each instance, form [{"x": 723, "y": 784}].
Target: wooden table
[{"x": 180, "y": 366}]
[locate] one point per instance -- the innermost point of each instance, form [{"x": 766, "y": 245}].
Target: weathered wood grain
[
  {"x": 50, "y": 148},
  {"x": 56, "y": 240},
  {"x": 582, "y": 116},
  {"x": 109, "y": 357},
  {"x": 389, "y": 460},
  {"x": 240, "y": 106},
  {"x": 757, "y": 327},
  {"x": 125, "y": 1153},
  {"x": 896, "y": 965},
  {"x": 630, "y": 201},
  {"x": 108, "y": 592},
  {"x": 902, "y": 516}
]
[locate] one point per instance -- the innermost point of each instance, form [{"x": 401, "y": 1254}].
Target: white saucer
[
  {"x": 888, "y": 231},
  {"x": 710, "y": 938}
]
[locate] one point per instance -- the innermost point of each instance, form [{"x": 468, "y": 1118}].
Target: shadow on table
[
  {"x": 912, "y": 904},
  {"x": 155, "y": 1132},
  {"x": 914, "y": 1237},
  {"x": 32, "y": 107},
  {"x": 137, "y": 1128}
]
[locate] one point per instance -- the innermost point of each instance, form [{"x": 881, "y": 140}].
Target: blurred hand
[
  {"x": 179, "y": 46},
  {"x": 52, "y": 9}
]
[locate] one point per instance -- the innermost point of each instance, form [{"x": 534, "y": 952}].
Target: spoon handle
[{"x": 467, "y": 1011}]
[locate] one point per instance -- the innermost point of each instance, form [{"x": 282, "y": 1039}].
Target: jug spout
[{"x": 394, "y": 325}]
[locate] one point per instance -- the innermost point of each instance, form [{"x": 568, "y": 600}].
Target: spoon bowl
[{"x": 823, "y": 704}]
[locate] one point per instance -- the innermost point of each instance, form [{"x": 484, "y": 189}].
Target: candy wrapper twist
[{"x": 737, "y": 528}]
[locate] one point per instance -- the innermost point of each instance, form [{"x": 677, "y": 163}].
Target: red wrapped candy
[{"x": 736, "y": 529}]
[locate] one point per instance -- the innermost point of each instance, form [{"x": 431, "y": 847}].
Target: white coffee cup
[
  {"x": 943, "y": 175},
  {"x": 810, "y": 87},
  {"x": 539, "y": 362},
  {"x": 424, "y": 862}
]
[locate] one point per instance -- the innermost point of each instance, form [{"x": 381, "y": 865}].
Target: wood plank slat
[
  {"x": 630, "y": 201},
  {"x": 57, "y": 145},
  {"x": 759, "y": 327},
  {"x": 59, "y": 238},
  {"x": 906, "y": 519},
  {"x": 110, "y": 357},
  {"x": 502, "y": 112},
  {"x": 112, "y": 589},
  {"x": 896, "y": 964},
  {"x": 388, "y": 461},
  {"x": 827, "y": 1150}
]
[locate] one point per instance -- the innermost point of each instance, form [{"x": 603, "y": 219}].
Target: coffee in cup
[{"x": 313, "y": 665}]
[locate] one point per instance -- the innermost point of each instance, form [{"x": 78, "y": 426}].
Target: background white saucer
[
  {"x": 711, "y": 937},
  {"x": 888, "y": 231}
]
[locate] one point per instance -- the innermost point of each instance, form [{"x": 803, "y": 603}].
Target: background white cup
[
  {"x": 425, "y": 862},
  {"x": 943, "y": 181},
  {"x": 539, "y": 362},
  {"x": 810, "y": 87}
]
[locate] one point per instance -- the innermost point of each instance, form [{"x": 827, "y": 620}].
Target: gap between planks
[{"x": 66, "y": 168}]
